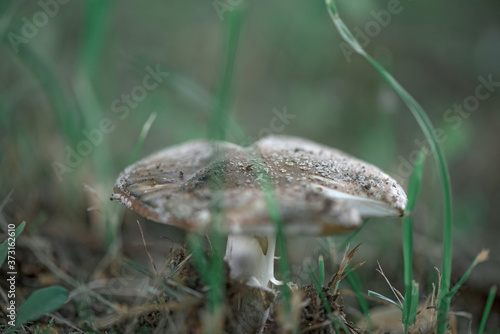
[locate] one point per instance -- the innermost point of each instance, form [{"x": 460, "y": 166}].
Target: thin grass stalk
[
  {"x": 93, "y": 41},
  {"x": 96, "y": 20},
  {"x": 65, "y": 110},
  {"x": 277, "y": 219},
  {"x": 142, "y": 138},
  {"x": 409, "y": 314},
  {"x": 7, "y": 10},
  {"x": 481, "y": 257},
  {"x": 319, "y": 290},
  {"x": 220, "y": 111},
  {"x": 428, "y": 130},
  {"x": 487, "y": 309},
  {"x": 408, "y": 269},
  {"x": 217, "y": 132},
  {"x": 354, "y": 234},
  {"x": 321, "y": 269},
  {"x": 355, "y": 284}
]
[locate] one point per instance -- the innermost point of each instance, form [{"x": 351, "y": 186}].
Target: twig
[
  {"x": 146, "y": 247},
  {"x": 6, "y": 199},
  {"x": 68, "y": 323},
  {"x": 395, "y": 291}
]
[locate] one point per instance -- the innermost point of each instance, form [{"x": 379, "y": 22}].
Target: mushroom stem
[{"x": 251, "y": 259}]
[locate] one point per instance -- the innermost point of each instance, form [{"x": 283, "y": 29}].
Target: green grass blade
[
  {"x": 409, "y": 314},
  {"x": 487, "y": 309},
  {"x": 94, "y": 32},
  {"x": 142, "y": 137},
  {"x": 4, "y": 247},
  {"x": 321, "y": 269},
  {"x": 8, "y": 9},
  {"x": 217, "y": 131},
  {"x": 97, "y": 19},
  {"x": 481, "y": 257},
  {"x": 319, "y": 290},
  {"x": 413, "y": 306},
  {"x": 275, "y": 216},
  {"x": 93, "y": 41},
  {"x": 428, "y": 130},
  {"x": 199, "y": 258},
  {"x": 415, "y": 183},
  {"x": 353, "y": 235},
  {"x": 355, "y": 284},
  {"x": 384, "y": 298},
  {"x": 220, "y": 110},
  {"x": 65, "y": 111},
  {"x": 41, "y": 302},
  {"x": 6, "y": 200},
  {"x": 408, "y": 268},
  {"x": 195, "y": 95}
]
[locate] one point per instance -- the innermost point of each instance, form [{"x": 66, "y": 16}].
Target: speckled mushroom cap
[{"x": 319, "y": 190}]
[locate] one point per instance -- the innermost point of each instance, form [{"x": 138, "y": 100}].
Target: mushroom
[{"x": 319, "y": 190}]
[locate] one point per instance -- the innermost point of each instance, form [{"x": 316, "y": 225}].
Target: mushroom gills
[{"x": 366, "y": 207}]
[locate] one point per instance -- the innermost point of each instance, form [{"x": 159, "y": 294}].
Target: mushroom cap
[{"x": 319, "y": 190}]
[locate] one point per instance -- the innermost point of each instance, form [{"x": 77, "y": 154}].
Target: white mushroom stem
[{"x": 251, "y": 259}]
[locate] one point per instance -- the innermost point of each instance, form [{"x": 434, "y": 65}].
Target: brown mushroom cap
[{"x": 319, "y": 190}]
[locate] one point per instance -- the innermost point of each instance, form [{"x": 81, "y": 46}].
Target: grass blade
[
  {"x": 217, "y": 131},
  {"x": 142, "y": 137},
  {"x": 319, "y": 290},
  {"x": 8, "y": 9},
  {"x": 275, "y": 216},
  {"x": 195, "y": 243},
  {"x": 220, "y": 110},
  {"x": 428, "y": 130},
  {"x": 410, "y": 313},
  {"x": 353, "y": 235},
  {"x": 384, "y": 298},
  {"x": 93, "y": 41},
  {"x": 95, "y": 29},
  {"x": 408, "y": 269},
  {"x": 94, "y": 37},
  {"x": 193, "y": 94},
  {"x": 412, "y": 306},
  {"x": 355, "y": 284},
  {"x": 487, "y": 309},
  {"x": 481, "y": 257},
  {"x": 6, "y": 200},
  {"x": 4, "y": 247},
  {"x": 321, "y": 269},
  {"x": 65, "y": 111},
  {"x": 415, "y": 183}
]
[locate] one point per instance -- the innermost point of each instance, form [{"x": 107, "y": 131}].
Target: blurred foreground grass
[{"x": 85, "y": 64}]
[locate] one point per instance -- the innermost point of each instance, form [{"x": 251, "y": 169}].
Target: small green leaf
[
  {"x": 41, "y": 302},
  {"x": 4, "y": 248}
]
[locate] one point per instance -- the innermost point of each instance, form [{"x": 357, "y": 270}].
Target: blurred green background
[{"x": 64, "y": 74}]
